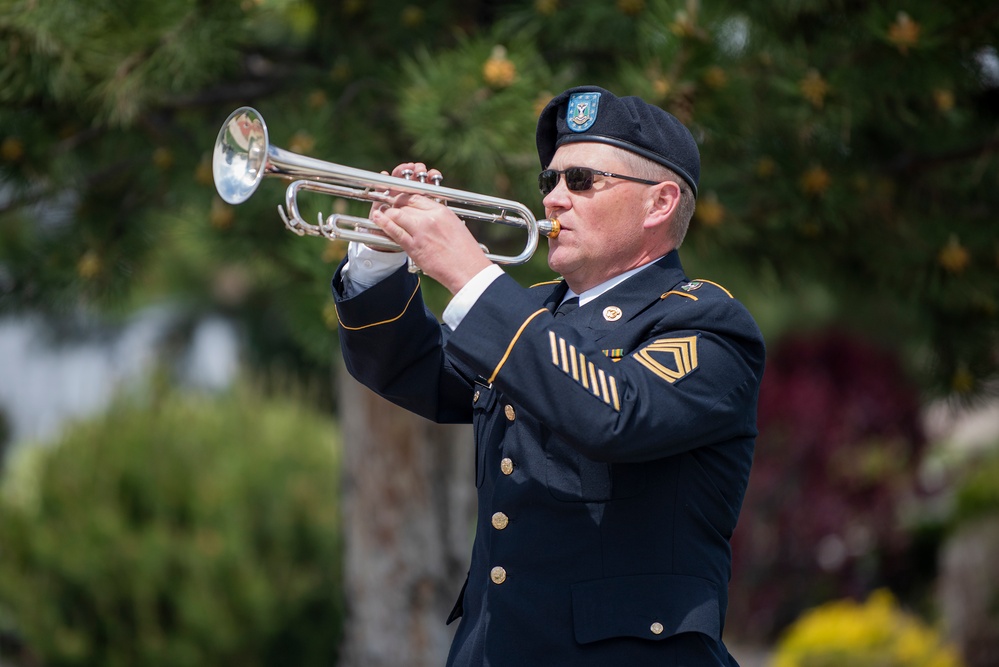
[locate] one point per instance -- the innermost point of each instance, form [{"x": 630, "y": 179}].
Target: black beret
[{"x": 589, "y": 113}]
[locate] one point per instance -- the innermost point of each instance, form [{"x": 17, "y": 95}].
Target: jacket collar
[{"x": 630, "y": 297}]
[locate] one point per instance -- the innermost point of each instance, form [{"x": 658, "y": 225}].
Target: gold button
[
  {"x": 500, "y": 521},
  {"x": 498, "y": 575},
  {"x": 612, "y": 313},
  {"x": 510, "y": 414},
  {"x": 475, "y": 396},
  {"x": 506, "y": 466},
  {"x": 657, "y": 628}
]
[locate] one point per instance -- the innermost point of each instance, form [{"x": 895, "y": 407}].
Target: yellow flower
[
  {"x": 962, "y": 382},
  {"x": 334, "y": 252},
  {"x": 715, "y": 77},
  {"x": 89, "y": 266},
  {"x": 661, "y": 86},
  {"x": 630, "y": 7},
  {"x": 904, "y": 32},
  {"x": 340, "y": 71},
  {"x": 316, "y": 99},
  {"x": 876, "y": 632},
  {"x": 413, "y": 16},
  {"x": 221, "y": 215},
  {"x": 682, "y": 25},
  {"x": 709, "y": 212},
  {"x": 163, "y": 158},
  {"x": 815, "y": 181},
  {"x": 814, "y": 88},
  {"x": 944, "y": 99},
  {"x": 765, "y": 167},
  {"x": 12, "y": 149},
  {"x": 546, "y": 7},
  {"x": 302, "y": 143},
  {"x": 954, "y": 257},
  {"x": 811, "y": 229},
  {"x": 541, "y": 101},
  {"x": 203, "y": 172},
  {"x": 499, "y": 71}
]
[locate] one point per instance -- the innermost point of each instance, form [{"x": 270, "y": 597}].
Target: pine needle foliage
[{"x": 849, "y": 148}]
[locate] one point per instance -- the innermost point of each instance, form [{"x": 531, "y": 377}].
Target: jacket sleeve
[
  {"x": 690, "y": 379},
  {"x": 393, "y": 344}
]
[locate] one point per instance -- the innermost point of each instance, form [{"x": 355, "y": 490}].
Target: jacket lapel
[{"x": 632, "y": 297}]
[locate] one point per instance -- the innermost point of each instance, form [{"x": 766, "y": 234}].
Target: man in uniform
[{"x": 614, "y": 441}]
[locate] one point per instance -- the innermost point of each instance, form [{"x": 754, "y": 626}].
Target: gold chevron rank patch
[{"x": 670, "y": 358}]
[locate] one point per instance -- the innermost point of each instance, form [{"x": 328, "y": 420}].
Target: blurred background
[{"x": 189, "y": 479}]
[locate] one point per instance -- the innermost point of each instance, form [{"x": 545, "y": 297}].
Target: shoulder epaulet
[
  {"x": 687, "y": 289},
  {"x": 546, "y": 282}
]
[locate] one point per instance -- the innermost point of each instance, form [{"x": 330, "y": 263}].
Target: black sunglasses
[{"x": 579, "y": 179}]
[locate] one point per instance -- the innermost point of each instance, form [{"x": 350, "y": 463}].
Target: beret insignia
[{"x": 582, "y": 112}]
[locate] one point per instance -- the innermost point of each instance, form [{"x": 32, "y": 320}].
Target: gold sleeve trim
[
  {"x": 388, "y": 321},
  {"x": 509, "y": 348}
]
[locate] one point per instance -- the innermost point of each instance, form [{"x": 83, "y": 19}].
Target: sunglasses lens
[
  {"x": 578, "y": 179},
  {"x": 547, "y": 180}
]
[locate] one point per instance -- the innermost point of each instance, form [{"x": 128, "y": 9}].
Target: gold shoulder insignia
[
  {"x": 546, "y": 282},
  {"x": 673, "y": 291},
  {"x": 700, "y": 281},
  {"x": 670, "y": 358}
]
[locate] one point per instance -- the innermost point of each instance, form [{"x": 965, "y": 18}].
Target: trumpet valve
[{"x": 289, "y": 222}]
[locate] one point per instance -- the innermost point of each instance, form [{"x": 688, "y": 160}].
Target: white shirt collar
[{"x": 594, "y": 292}]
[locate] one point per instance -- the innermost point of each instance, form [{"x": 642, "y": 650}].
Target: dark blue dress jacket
[{"x": 613, "y": 452}]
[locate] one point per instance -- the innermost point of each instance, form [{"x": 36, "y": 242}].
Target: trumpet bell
[{"x": 239, "y": 160}]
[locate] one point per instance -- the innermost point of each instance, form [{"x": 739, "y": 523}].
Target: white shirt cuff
[
  {"x": 366, "y": 266},
  {"x": 469, "y": 294}
]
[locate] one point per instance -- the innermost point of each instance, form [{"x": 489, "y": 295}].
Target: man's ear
[{"x": 664, "y": 199}]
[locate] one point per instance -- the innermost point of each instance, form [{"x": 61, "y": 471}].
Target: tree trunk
[
  {"x": 408, "y": 501},
  {"x": 969, "y": 591}
]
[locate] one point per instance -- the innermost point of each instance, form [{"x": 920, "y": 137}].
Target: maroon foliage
[{"x": 839, "y": 442}]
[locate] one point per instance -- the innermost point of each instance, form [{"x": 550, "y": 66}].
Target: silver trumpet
[{"x": 243, "y": 155}]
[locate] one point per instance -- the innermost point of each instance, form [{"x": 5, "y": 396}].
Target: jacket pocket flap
[{"x": 650, "y": 606}]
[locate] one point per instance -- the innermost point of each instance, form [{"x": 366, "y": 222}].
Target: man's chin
[{"x": 559, "y": 260}]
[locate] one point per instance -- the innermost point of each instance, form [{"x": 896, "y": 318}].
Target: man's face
[{"x": 602, "y": 228}]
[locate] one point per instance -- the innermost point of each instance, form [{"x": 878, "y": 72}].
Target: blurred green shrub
[
  {"x": 179, "y": 530},
  {"x": 977, "y": 494},
  {"x": 876, "y": 633}
]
